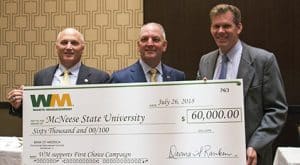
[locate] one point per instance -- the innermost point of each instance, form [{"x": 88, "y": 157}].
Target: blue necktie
[{"x": 223, "y": 67}]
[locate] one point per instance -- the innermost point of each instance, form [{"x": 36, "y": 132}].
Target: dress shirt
[
  {"x": 58, "y": 78},
  {"x": 234, "y": 56},
  {"x": 146, "y": 69}
]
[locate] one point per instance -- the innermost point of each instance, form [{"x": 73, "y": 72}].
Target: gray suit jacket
[
  {"x": 264, "y": 97},
  {"x": 86, "y": 75},
  {"x": 135, "y": 73}
]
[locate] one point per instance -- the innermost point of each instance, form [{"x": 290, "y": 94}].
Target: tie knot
[
  {"x": 66, "y": 77},
  {"x": 225, "y": 58},
  {"x": 153, "y": 71},
  {"x": 66, "y": 73}
]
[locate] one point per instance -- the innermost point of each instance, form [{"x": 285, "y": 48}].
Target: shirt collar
[
  {"x": 233, "y": 51},
  {"x": 74, "y": 69},
  {"x": 147, "y": 68}
]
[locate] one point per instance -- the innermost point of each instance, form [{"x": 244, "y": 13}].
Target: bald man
[{"x": 69, "y": 48}]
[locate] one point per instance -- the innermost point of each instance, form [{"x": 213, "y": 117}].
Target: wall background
[
  {"x": 28, "y": 30},
  {"x": 273, "y": 25}
]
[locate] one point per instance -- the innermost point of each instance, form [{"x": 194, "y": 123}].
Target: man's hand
[
  {"x": 15, "y": 97},
  {"x": 251, "y": 156}
]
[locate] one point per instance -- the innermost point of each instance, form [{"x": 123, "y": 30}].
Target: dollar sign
[{"x": 182, "y": 118}]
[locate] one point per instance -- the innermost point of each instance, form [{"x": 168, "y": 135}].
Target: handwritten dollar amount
[{"x": 214, "y": 115}]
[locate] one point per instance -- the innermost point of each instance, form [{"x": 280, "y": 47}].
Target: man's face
[
  {"x": 224, "y": 31},
  {"x": 69, "y": 48},
  {"x": 151, "y": 44}
]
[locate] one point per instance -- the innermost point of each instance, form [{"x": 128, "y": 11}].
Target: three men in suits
[
  {"x": 151, "y": 45},
  {"x": 69, "y": 48},
  {"x": 264, "y": 95}
]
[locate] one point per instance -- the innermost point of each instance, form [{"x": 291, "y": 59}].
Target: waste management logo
[{"x": 51, "y": 102}]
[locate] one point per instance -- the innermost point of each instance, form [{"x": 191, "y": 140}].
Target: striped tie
[{"x": 153, "y": 75}]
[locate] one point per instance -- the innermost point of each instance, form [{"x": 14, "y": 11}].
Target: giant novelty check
[{"x": 170, "y": 123}]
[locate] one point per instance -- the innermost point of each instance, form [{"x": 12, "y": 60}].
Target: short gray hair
[{"x": 158, "y": 25}]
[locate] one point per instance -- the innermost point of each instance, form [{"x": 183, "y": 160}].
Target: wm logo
[{"x": 51, "y": 100}]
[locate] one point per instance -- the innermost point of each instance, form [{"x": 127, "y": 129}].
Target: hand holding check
[{"x": 15, "y": 97}]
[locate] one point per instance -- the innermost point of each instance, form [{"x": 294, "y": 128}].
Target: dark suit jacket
[
  {"x": 264, "y": 97},
  {"x": 135, "y": 73},
  {"x": 86, "y": 75}
]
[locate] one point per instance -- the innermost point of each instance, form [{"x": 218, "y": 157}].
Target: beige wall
[{"x": 28, "y": 30}]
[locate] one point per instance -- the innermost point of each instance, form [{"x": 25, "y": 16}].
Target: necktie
[
  {"x": 66, "y": 77},
  {"x": 153, "y": 75},
  {"x": 223, "y": 67}
]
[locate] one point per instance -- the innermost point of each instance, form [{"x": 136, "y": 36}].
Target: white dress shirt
[
  {"x": 234, "y": 56},
  {"x": 146, "y": 69},
  {"x": 58, "y": 78}
]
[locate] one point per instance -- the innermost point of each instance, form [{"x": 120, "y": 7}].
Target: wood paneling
[{"x": 273, "y": 25}]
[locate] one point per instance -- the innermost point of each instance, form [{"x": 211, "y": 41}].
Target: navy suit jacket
[
  {"x": 135, "y": 73},
  {"x": 86, "y": 75}
]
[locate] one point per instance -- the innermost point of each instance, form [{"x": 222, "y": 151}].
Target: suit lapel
[
  {"x": 137, "y": 73},
  {"x": 246, "y": 70},
  {"x": 167, "y": 73},
  {"x": 83, "y": 75},
  {"x": 209, "y": 65},
  {"x": 50, "y": 75}
]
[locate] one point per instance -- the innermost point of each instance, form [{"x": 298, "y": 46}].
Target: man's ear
[
  {"x": 165, "y": 45},
  {"x": 240, "y": 27}
]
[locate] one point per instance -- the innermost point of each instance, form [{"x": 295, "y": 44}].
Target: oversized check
[{"x": 170, "y": 123}]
